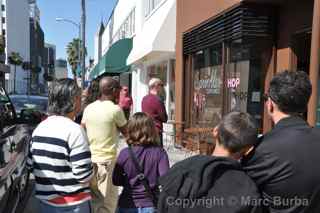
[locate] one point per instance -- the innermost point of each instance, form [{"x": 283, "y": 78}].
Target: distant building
[
  {"x": 36, "y": 83},
  {"x": 15, "y": 28},
  {"x": 61, "y": 69},
  {"x": 49, "y": 58},
  {"x": 34, "y": 10}
]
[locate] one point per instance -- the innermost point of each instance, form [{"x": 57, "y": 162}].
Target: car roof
[{"x": 29, "y": 97}]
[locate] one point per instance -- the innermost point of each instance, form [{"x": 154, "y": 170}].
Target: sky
[{"x": 61, "y": 33}]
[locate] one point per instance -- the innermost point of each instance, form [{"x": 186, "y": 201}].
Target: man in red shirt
[
  {"x": 153, "y": 106},
  {"x": 125, "y": 101}
]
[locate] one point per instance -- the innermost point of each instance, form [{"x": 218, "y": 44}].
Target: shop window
[
  {"x": 158, "y": 71},
  {"x": 207, "y": 91},
  {"x": 244, "y": 84}
]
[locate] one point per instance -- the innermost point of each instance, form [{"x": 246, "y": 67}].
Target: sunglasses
[{"x": 266, "y": 97}]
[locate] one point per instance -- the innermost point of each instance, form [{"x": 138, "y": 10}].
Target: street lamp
[{"x": 79, "y": 45}]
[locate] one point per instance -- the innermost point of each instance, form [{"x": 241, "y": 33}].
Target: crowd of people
[{"x": 77, "y": 168}]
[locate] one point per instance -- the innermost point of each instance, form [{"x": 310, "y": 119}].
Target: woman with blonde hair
[{"x": 139, "y": 166}]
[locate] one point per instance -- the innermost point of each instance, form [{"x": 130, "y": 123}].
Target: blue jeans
[
  {"x": 80, "y": 208},
  {"x": 136, "y": 210}
]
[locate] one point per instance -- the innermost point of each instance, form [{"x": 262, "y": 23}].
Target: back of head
[
  {"x": 108, "y": 86},
  {"x": 141, "y": 130},
  {"x": 154, "y": 82},
  {"x": 61, "y": 96},
  {"x": 291, "y": 91},
  {"x": 237, "y": 131}
]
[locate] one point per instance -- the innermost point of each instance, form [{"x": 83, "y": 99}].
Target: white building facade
[
  {"x": 152, "y": 26},
  {"x": 15, "y": 28}
]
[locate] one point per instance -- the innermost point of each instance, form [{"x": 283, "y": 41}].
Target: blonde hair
[{"x": 141, "y": 130}]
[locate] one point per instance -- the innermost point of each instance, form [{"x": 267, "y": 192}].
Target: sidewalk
[{"x": 175, "y": 155}]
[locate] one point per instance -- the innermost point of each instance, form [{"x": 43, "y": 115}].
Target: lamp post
[
  {"x": 80, "y": 62},
  {"x": 83, "y": 27}
]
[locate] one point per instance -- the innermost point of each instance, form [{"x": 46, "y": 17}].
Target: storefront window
[
  {"x": 207, "y": 87},
  {"x": 244, "y": 87},
  {"x": 158, "y": 71},
  {"x": 168, "y": 93}
]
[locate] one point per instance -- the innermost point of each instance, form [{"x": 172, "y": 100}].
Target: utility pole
[{"x": 83, "y": 28}]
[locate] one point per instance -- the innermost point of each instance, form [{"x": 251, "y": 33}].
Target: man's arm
[
  {"x": 83, "y": 125},
  {"x": 83, "y": 121},
  {"x": 121, "y": 121}
]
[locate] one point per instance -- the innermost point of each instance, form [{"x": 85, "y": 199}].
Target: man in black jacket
[
  {"x": 285, "y": 164},
  {"x": 217, "y": 183}
]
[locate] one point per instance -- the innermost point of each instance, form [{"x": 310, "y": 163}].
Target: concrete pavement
[{"x": 175, "y": 155}]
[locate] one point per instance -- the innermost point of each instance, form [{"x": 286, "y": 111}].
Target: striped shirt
[{"x": 61, "y": 162}]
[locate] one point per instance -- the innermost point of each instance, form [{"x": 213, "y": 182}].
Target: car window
[
  {"x": 29, "y": 103},
  {"x": 3, "y": 96}
]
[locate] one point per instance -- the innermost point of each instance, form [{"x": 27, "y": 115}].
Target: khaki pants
[{"x": 104, "y": 193}]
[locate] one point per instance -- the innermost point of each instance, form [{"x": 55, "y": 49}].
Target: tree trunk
[{"x": 75, "y": 77}]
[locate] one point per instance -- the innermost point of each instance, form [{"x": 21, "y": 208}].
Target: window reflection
[
  {"x": 244, "y": 73},
  {"x": 207, "y": 87}
]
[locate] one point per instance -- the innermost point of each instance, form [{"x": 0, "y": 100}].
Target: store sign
[
  {"x": 212, "y": 83},
  {"x": 233, "y": 82}
]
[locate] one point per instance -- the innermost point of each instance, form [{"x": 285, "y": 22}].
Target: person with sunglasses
[
  {"x": 284, "y": 165},
  {"x": 125, "y": 101}
]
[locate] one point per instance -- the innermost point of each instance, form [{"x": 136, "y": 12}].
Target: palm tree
[
  {"x": 16, "y": 60},
  {"x": 73, "y": 49}
]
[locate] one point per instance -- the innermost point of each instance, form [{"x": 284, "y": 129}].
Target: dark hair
[
  {"x": 236, "y": 131},
  {"x": 291, "y": 91},
  {"x": 141, "y": 130},
  {"x": 61, "y": 96},
  {"x": 93, "y": 93},
  {"x": 108, "y": 85}
]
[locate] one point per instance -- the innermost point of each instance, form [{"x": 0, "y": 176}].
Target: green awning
[{"x": 115, "y": 60}]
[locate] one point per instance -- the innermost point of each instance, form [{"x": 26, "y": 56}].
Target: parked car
[
  {"x": 30, "y": 107},
  {"x": 14, "y": 145}
]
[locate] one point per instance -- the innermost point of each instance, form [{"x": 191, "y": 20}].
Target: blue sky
[{"x": 61, "y": 33}]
